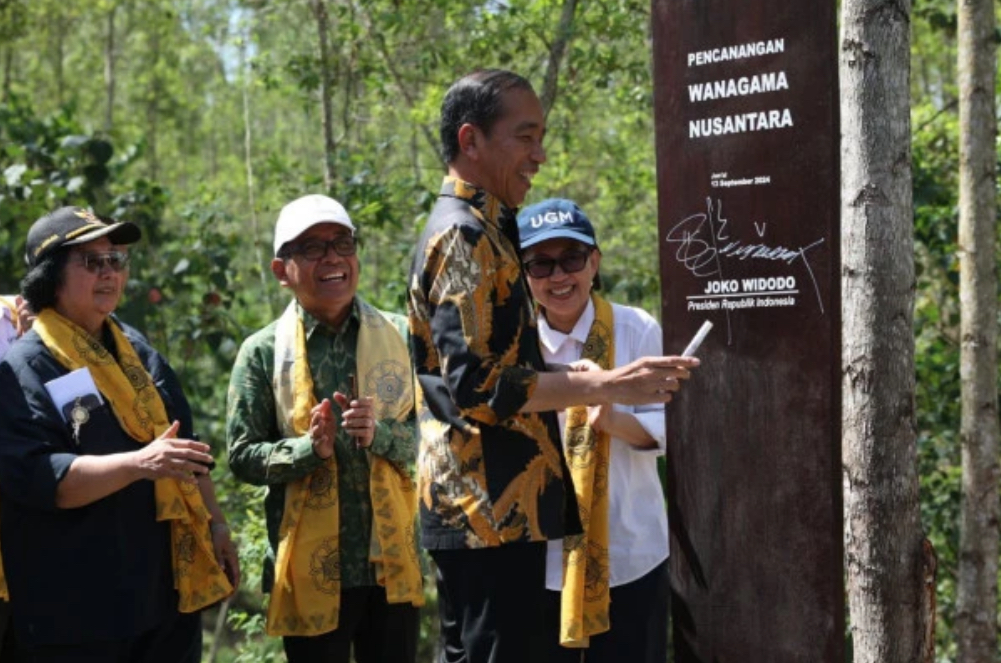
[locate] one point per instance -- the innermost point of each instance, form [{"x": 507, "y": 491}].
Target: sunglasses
[
  {"x": 314, "y": 249},
  {"x": 570, "y": 262},
  {"x": 95, "y": 262}
]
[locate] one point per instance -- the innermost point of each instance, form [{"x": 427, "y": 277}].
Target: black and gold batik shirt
[{"x": 487, "y": 474}]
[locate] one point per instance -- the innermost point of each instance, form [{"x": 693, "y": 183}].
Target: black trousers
[
  {"x": 638, "y": 612},
  {"x": 380, "y": 632},
  {"x": 178, "y": 640},
  {"x": 9, "y": 650},
  {"x": 491, "y": 603}
]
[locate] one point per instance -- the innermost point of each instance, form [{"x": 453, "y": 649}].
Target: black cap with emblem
[{"x": 67, "y": 226}]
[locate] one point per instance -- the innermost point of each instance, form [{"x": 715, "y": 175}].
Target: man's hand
[
  {"x": 357, "y": 418},
  {"x": 225, "y": 552},
  {"x": 322, "y": 429},
  {"x": 168, "y": 457}
]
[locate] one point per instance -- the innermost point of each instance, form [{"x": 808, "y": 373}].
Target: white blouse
[{"x": 638, "y": 539}]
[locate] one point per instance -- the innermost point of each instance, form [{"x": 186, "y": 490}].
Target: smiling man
[
  {"x": 342, "y": 569},
  {"x": 492, "y": 476}
]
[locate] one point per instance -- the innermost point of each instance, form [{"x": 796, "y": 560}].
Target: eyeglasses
[
  {"x": 314, "y": 249},
  {"x": 570, "y": 262},
  {"x": 95, "y": 262}
]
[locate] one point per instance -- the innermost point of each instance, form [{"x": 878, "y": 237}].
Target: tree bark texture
[
  {"x": 109, "y": 70},
  {"x": 59, "y": 56},
  {"x": 564, "y": 30},
  {"x": 8, "y": 69},
  {"x": 152, "y": 105},
  {"x": 319, "y": 8},
  {"x": 977, "y": 581},
  {"x": 248, "y": 163},
  {"x": 889, "y": 565}
]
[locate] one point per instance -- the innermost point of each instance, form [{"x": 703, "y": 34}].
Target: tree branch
[
  {"x": 397, "y": 78},
  {"x": 564, "y": 31}
]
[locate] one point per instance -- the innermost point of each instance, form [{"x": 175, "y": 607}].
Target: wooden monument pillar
[{"x": 746, "y": 102}]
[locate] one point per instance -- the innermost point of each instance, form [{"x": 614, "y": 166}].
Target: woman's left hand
[
  {"x": 600, "y": 417},
  {"x": 225, "y": 552},
  {"x": 25, "y": 316}
]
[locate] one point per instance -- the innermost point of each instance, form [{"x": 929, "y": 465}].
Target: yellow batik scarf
[
  {"x": 137, "y": 405},
  {"x": 4, "y": 593},
  {"x": 305, "y": 599},
  {"x": 584, "y": 600}
]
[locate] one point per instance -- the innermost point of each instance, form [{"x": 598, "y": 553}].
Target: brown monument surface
[{"x": 747, "y": 158}]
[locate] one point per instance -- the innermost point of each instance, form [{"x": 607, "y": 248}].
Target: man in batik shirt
[
  {"x": 342, "y": 568},
  {"x": 492, "y": 478}
]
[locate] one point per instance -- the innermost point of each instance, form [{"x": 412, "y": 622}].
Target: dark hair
[
  {"x": 43, "y": 281},
  {"x": 475, "y": 99}
]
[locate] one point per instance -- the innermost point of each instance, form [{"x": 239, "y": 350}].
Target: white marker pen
[{"x": 700, "y": 335}]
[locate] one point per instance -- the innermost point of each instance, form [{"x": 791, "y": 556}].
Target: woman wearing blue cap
[{"x": 611, "y": 592}]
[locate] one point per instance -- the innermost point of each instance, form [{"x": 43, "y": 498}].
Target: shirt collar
[
  {"x": 489, "y": 206},
  {"x": 553, "y": 340},
  {"x": 311, "y": 324}
]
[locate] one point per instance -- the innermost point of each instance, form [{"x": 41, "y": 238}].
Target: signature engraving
[{"x": 702, "y": 241}]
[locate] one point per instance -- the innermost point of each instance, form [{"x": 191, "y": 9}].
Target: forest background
[{"x": 199, "y": 119}]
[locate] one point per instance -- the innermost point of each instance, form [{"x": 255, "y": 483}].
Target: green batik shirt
[{"x": 259, "y": 455}]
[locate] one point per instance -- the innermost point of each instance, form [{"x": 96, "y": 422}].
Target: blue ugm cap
[{"x": 554, "y": 218}]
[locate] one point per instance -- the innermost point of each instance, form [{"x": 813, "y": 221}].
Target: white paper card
[{"x": 66, "y": 389}]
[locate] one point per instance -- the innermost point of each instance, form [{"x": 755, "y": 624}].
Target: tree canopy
[{"x": 199, "y": 119}]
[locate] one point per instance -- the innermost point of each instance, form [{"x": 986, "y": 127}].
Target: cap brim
[
  {"x": 124, "y": 232},
  {"x": 280, "y": 242},
  {"x": 559, "y": 234}
]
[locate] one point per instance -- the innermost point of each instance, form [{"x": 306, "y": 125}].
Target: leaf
[
  {"x": 99, "y": 150},
  {"x": 13, "y": 174},
  {"x": 181, "y": 266},
  {"x": 74, "y": 184},
  {"x": 73, "y": 142}
]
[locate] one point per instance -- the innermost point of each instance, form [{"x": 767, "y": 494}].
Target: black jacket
[{"x": 97, "y": 573}]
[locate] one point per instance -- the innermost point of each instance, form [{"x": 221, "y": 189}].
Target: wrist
[
  {"x": 217, "y": 526},
  {"x": 316, "y": 451},
  {"x": 593, "y": 386},
  {"x": 135, "y": 466}
]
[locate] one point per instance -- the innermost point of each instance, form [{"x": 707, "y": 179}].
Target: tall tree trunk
[
  {"x": 59, "y": 55},
  {"x": 977, "y": 586},
  {"x": 8, "y": 73},
  {"x": 889, "y": 565},
  {"x": 564, "y": 30},
  {"x": 319, "y": 8},
  {"x": 248, "y": 142},
  {"x": 109, "y": 70},
  {"x": 152, "y": 104},
  {"x": 349, "y": 74}
]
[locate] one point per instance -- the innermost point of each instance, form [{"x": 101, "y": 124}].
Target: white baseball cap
[{"x": 303, "y": 213}]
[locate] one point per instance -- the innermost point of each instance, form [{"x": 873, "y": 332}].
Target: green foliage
[
  {"x": 44, "y": 164},
  {"x": 215, "y": 123},
  {"x": 935, "y": 164}
]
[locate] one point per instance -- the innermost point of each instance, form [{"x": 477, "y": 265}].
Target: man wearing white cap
[{"x": 335, "y": 450}]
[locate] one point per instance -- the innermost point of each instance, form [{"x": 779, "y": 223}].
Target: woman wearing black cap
[{"x": 110, "y": 534}]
